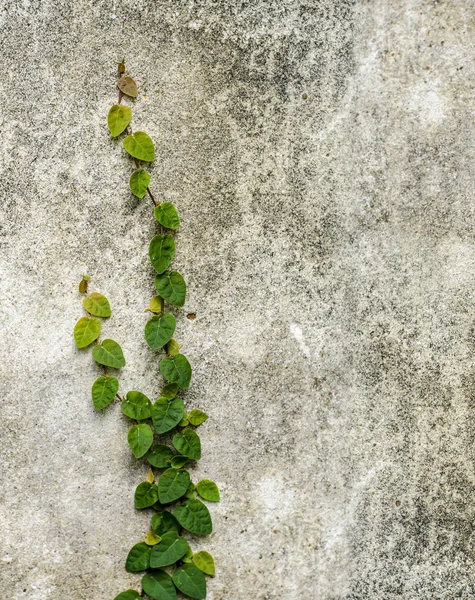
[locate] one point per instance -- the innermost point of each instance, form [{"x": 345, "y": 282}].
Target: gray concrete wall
[{"x": 321, "y": 156}]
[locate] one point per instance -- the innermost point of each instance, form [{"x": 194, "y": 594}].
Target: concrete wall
[{"x": 321, "y": 155}]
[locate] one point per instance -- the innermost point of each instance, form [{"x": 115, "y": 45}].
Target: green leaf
[
  {"x": 173, "y": 348},
  {"x": 188, "y": 556},
  {"x": 128, "y": 595},
  {"x": 197, "y": 417},
  {"x": 172, "y": 484},
  {"x": 168, "y": 551},
  {"x": 161, "y": 251},
  {"x": 140, "y": 438},
  {"x": 104, "y": 391},
  {"x": 159, "y": 586},
  {"x": 172, "y": 287},
  {"x": 185, "y": 421},
  {"x": 164, "y": 522},
  {"x": 146, "y": 494},
  {"x": 156, "y": 305},
  {"x": 167, "y": 215},
  {"x": 109, "y": 353},
  {"x": 166, "y": 415},
  {"x": 151, "y": 539},
  {"x": 159, "y": 330},
  {"x": 188, "y": 444},
  {"x": 190, "y": 492},
  {"x": 190, "y": 581},
  {"x": 136, "y": 406},
  {"x": 176, "y": 369},
  {"x": 97, "y": 305},
  {"x": 205, "y": 562},
  {"x": 194, "y": 516},
  {"x": 169, "y": 391},
  {"x": 118, "y": 119},
  {"x": 177, "y": 462},
  {"x": 208, "y": 490},
  {"x": 128, "y": 86},
  {"x": 140, "y": 146},
  {"x": 159, "y": 456},
  {"x": 139, "y": 182},
  {"x": 138, "y": 558},
  {"x": 86, "y": 331}
]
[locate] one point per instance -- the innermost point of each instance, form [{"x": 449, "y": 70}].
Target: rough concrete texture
[{"x": 321, "y": 156}]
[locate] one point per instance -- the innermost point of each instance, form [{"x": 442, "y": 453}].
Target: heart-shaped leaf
[
  {"x": 194, "y": 516},
  {"x": 197, "y": 417},
  {"x": 159, "y": 456},
  {"x": 128, "y": 86},
  {"x": 169, "y": 391},
  {"x": 172, "y": 484},
  {"x": 128, "y": 595},
  {"x": 97, "y": 305},
  {"x": 104, "y": 391},
  {"x": 139, "y": 182},
  {"x": 168, "y": 551},
  {"x": 159, "y": 330},
  {"x": 159, "y": 586},
  {"x": 109, "y": 354},
  {"x": 205, "y": 562},
  {"x": 136, "y": 406},
  {"x": 161, "y": 252},
  {"x": 138, "y": 558},
  {"x": 190, "y": 581},
  {"x": 177, "y": 462},
  {"x": 172, "y": 287},
  {"x": 166, "y": 415},
  {"x": 86, "y": 331},
  {"x": 176, "y": 369},
  {"x": 188, "y": 444},
  {"x": 140, "y": 146},
  {"x": 118, "y": 119},
  {"x": 140, "y": 438},
  {"x": 146, "y": 494},
  {"x": 164, "y": 522},
  {"x": 167, "y": 215},
  {"x": 208, "y": 490}
]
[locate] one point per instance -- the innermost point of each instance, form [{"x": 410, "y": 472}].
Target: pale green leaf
[
  {"x": 140, "y": 146},
  {"x": 128, "y": 86},
  {"x": 194, "y": 516},
  {"x": 185, "y": 421},
  {"x": 156, "y": 305},
  {"x": 188, "y": 444},
  {"x": 146, "y": 494},
  {"x": 118, "y": 119},
  {"x": 163, "y": 522},
  {"x": 86, "y": 331},
  {"x": 173, "y": 347},
  {"x": 208, "y": 490},
  {"x": 104, "y": 390},
  {"x": 151, "y": 539},
  {"x": 172, "y": 484},
  {"x": 168, "y": 551},
  {"x": 169, "y": 391},
  {"x": 197, "y": 417},
  {"x": 159, "y": 330},
  {"x": 190, "y": 581},
  {"x": 161, "y": 251},
  {"x": 205, "y": 562},
  {"x": 139, "y": 182},
  {"x": 136, "y": 406},
  {"x": 190, "y": 492},
  {"x": 109, "y": 353},
  {"x": 188, "y": 556},
  {"x": 176, "y": 369},
  {"x": 97, "y": 305},
  {"x": 167, "y": 215},
  {"x": 140, "y": 438},
  {"x": 159, "y": 586},
  {"x": 138, "y": 558},
  {"x": 172, "y": 287},
  {"x": 166, "y": 414}
]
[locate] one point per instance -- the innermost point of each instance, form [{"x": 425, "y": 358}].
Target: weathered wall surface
[{"x": 321, "y": 156}]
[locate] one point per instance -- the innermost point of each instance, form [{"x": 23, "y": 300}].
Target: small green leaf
[
  {"x": 176, "y": 369},
  {"x": 167, "y": 215},
  {"x": 173, "y": 348},
  {"x": 139, "y": 182},
  {"x": 169, "y": 391},
  {"x": 136, "y": 406},
  {"x": 118, "y": 119},
  {"x": 166, "y": 415},
  {"x": 188, "y": 556},
  {"x": 161, "y": 251},
  {"x": 164, "y": 522},
  {"x": 151, "y": 539},
  {"x": 109, "y": 353},
  {"x": 159, "y": 330},
  {"x": 146, "y": 494},
  {"x": 197, "y": 417},
  {"x": 156, "y": 305},
  {"x": 190, "y": 492},
  {"x": 205, "y": 562},
  {"x": 128, "y": 595},
  {"x": 140, "y": 438},
  {"x": 172, "y": 287},
  {"x": 86, "y": 331},
  {"x": 190, "y": 581},
  {"x": 168, "y": 551},
  {"x": 138, "y": 558},
  {"x": 194, "y": 516},
  {"x": 177, "y": 462},
  {"x": 97, "y": 305},
  {"x": 159, "y": 456},
  {"x": 104, "y": 391},
  {"x": 121, "y": 66},
  {"x": 159, "y": 586},
  {"x": 172, "y": 484},
  {"x": 140, "y": 146},
  {"x": 188, "y": 444},
  {"x": 128, "y": 86},
  {"x": 208, "y": 490},
  {"x": 84, "y": 283},
  {"x": 185, "y": 421}
]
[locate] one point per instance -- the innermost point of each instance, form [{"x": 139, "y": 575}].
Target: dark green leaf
[
  {"x": 172, "y": 484},
  {"x": 176, "y": 369},
  {"x": 97, "y": 305},
  {"x": 167, "y": 414},
  {"x": 136, "y": 406},
  {"x": 109, "y": 353},
  {"x": 177, "y": 462},
  {"x": 159, "y": 456},
  {"x": 197, "y": 417},
  {"x": 167, "y": 215},
  {"x": 104, "y": 391},
  {"x": 86, "y": 331},
  {"x": 159, "y": 586},
  {"x": 169, "y": 391},
  {"x": 118, "y": 119},
  {"x": 168, "y": 551},
  {"x": 140, "y": 438},
  {"x": 138, "y": 558},
  {"x": 128, "y": 595},
  {"x": 161, "y": 251},
  {"x": 128, "y": 86},
  {"x": 190, "y": 581},
  {"x": 188, "y": 444},
  {"x": 146, "y": 495},
  {"x": 140, "y": 146},
  {"x": 205, "y": 562},
  {"x": 164, "y": 522},
  {"x": 159, "y": 330},
  {"x": 208, "y": 490},
  {"x": 194, "y": 516},
  {"x": 139, "y": 182},
  {"x": 172, "y": 287}
]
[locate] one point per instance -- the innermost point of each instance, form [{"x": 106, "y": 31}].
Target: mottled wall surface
[{"x": 321, "y": 156}]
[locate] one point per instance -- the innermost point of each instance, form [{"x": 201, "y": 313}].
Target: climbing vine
[{"x": 162, "y": 433}]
